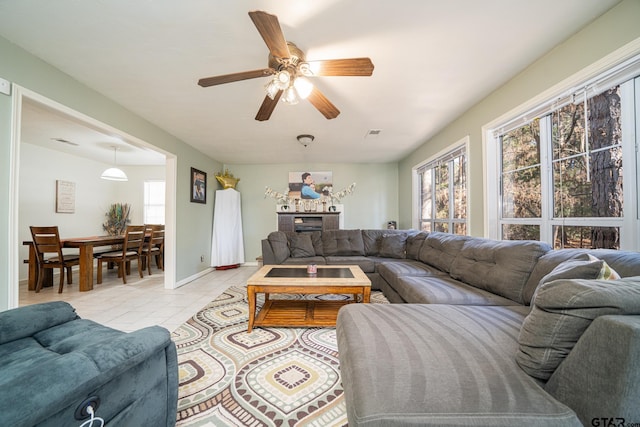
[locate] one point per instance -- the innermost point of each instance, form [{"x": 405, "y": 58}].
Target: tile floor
[{"x": 141, "y": 302}]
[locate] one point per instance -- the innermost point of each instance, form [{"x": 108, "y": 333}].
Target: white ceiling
[{"x": 433, "y": 60}]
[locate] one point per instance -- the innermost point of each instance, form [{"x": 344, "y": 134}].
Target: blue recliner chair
[{"x": 54, "y": 365}]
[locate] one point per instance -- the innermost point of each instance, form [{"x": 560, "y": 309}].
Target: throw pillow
[
  {"x": 583, "y": 266},
  {"x": 302, "y": 246},
  {"x": 280, "y": 246},
  {"x": 393, "y": 246},
  {"x": 606, "y": 272},
  {"x": 579, "y": 267},
  {"x": 563, "y": 309},
  {"x": 414, "y": 243},
  {"x": 316, "y": 239}
]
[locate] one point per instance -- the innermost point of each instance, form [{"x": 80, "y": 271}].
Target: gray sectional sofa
[
  {"x": 365, "y": 248},
  {"x": 53, "y": 365},
  {"x": 487, "y": 333}
]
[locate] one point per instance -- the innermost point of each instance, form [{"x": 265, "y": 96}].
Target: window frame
[
  {"x": 147, "y": 205},
  {"x": 416, "y": 220},
  {"x": 627, "y": 75}
]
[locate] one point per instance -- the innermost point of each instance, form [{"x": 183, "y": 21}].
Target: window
[
  {"x": 568, "y": 177},
  {"x": 154, "y": 202},
  {"x": 442, "y": 193}
]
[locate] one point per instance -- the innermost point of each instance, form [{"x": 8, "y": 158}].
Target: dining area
[{"x": 48, "y": 253}]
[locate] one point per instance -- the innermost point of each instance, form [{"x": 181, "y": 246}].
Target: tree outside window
[
  {"x": 443, "y": 193},
  {"x": 585, "y": 188}
]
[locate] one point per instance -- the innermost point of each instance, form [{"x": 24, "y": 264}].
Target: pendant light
[{"x": 114, "y": 174}]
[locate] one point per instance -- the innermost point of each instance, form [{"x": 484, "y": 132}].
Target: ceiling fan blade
[
  {"x": 269, "y": 28},
  {"x": 341, "y": 67},
  {"x": 235, "y": 77},
  {"x": 267, "y": 107},
  {"x": 323, "y": 104}
]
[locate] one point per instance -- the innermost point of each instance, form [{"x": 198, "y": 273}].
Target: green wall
[
  {"x": 372, "y": 204},
  {"x": 383, "y": 191},
  {"x": 606, "y": 34},
  {"x": 5, "y": 189},
  {"x": 193, "y": 221}
]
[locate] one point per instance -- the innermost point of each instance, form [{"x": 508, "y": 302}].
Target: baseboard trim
[{"x": 194, "y": 277}]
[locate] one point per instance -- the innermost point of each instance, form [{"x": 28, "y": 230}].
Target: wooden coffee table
[{"x": 293, "y": 279}]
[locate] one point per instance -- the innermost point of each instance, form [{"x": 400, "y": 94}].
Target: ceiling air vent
[{"x": 64, "y": 141}]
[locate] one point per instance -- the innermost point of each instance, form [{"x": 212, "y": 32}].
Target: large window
[
  {"x": 154, "y": 202},
  {"x": 443, "y": 193},
  {"x": 569, "y": 176}
]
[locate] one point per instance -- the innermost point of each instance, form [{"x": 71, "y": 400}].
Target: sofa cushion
[
  {"x": 444, "y": 290},
  {"x": 372, "y": 239},
  {"x": 582, "y": 266},
  {"x": 391, "y": 271},
  {"x": 436, "y": 365},
  {"x": 320, "y": 260},
  {"x": 280, "y": 245},
  {"x": 608, "y": 350},
  {"x": 414, "y": 243},
  {"x": 393, "y": 245},
  {"x": 440, "y": 249},
  {"x": 498, "y": 266},
  {"x": 625, "y": 263},
  {"x": 562, "y": 311},
  {"x": 366, "y": 264},
  {"x": 316, "y": 239},
  {"x": 342, "y": 242},
  {"x": 301, "y": 245}
]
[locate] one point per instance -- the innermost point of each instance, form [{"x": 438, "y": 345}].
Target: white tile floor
[{"x": 141, "y": 302}]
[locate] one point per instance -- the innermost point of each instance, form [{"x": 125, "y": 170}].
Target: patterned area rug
[{"x": 270, "y": 377}]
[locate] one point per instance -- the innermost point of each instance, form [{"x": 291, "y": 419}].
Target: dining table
[{"x": 86, "y": 247}]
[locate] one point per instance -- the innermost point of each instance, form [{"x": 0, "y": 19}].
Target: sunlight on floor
[{"x": 141, "y": 302}]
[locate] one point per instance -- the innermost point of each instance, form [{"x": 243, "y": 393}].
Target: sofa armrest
[
  {"x": 32, "y": 395},
  {"x": 268, "y": 257},
  {"x": 26, "y": 321},
  {"x": 600, "y": 378}
]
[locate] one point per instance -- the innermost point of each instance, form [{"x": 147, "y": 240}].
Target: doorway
[{"x": 87, "y": 145}]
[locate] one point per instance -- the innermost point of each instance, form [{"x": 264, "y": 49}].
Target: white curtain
[{"x": 227, "y": 248}]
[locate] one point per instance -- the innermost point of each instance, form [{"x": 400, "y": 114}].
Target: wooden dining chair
[
  {"x": 131, "y": 250},
  {"x": 154, "y": 246},
  {"x": 49, "y": 255}
]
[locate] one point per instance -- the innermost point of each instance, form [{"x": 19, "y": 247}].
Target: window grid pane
[
  {"x": 587, "y": 166},
  {"x": 588, "y": 237},
  {"x": 582, "y": 180},
  {"x": 154, "y": 202},
  {"x": 442, "y": 191},
  {"x": 443, "y": 197},
  {"x": 459, "y": 188}
]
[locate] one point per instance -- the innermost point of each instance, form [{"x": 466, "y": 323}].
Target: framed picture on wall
[
  {"x": 65, "y": 196},
  {"x": 198, "y": 186},
  {"x": 310, "y": 185}
]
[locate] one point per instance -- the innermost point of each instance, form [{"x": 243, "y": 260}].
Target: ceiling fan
[{"x": 290, "y": 69}]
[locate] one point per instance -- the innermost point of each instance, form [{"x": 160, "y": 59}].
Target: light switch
[{"x": 5, "y": 86}]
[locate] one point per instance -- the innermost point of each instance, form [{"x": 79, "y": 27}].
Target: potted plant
[{"x": 117, "y": 219}]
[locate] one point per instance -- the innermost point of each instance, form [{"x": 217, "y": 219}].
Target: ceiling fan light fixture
[
  {"x": 290, "y": 96},
  {"x": 287, "y": 63},
  {"x": 303, "y": 87},
  {"x": 305, "y": 69},
  {"x": 272, "y": 89},
  {"x": 282, "y": 79},
  {"x": 114, "y": 174}
]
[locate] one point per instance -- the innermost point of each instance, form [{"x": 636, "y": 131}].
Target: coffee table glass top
[{"x": 341, "y": 273}]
